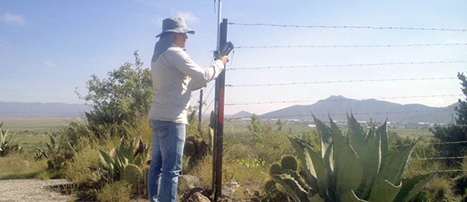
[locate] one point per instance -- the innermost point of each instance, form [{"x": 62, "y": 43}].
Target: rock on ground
[{"x": 31, "y": 190}]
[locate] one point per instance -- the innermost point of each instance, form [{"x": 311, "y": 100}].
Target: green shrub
[
  {"x": 121, "y": 98},
  {"x": 438, "y": 190},
  {"x": 454, "y": 132}
]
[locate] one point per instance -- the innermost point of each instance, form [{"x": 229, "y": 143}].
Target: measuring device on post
[{"x": 228, "y": 47}]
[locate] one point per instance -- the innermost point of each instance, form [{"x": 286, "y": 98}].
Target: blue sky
[{"x": 50, "y": 47}]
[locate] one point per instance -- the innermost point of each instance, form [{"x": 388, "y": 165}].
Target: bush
[
  {"x": 454, "y": 132},
  {"x": 121, "y": 98},
  {"x": 268, "y": 144},
  {"x": 438, "y": 190}
]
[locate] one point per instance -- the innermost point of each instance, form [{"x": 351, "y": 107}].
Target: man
[{"x": 174, "y": 76}]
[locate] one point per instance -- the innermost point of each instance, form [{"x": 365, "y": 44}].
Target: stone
[
  {"x": 198, "y": 197},
  {"x": 229, "y": 188},
  {"x": 195, "y": 195},
  {"x": 189, "y": 182}
]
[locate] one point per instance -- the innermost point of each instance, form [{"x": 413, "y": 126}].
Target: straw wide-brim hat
[{"x": 176, "y": 25}]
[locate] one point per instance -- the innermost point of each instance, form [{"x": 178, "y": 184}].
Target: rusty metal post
[
  {"x": 219, "y": 129},
  {"x": 200, "y": 111}
]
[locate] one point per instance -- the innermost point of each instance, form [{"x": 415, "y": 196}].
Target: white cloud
[
  {"x": 189, "y": 17},
  {"x": 13, "y": 19},
  {"x": 50, "y": 64}
]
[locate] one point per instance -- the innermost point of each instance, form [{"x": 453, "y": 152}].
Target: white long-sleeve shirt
[{"x": 174, "y": 76}]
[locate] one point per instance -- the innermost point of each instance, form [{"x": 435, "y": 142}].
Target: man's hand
[{"x": 223, "y": 59}]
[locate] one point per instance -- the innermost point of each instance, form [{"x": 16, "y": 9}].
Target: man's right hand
[{"x": 223, "y": 59}]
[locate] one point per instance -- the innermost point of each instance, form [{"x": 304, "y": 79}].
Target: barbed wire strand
[
  {"x": 457, "y": 142},
  {"x": 352, "y": 46},
  {"x": 210, "y": 91},
  {"x": 349, "y": 65},
  {"x": 349, "y": 27},
  {"x": 332, "y": 100},
  {"x": 441, "y": 171},
  {"x": 338, "y": 81},
  {"x": 438, "y": 158},
  {"x": 442, "y": 143},
  {"x": 207, "y": 107}
]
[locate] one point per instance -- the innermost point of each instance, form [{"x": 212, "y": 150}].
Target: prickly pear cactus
[
  {"x": 270, "y": 186},
  {"x": 275, "y": 169},
  {"x": 289, "y": 162},
  {"x": 132, "y": 174},
  {"x": 190, "y": 148},
  {"x": 196, "y": 149}
]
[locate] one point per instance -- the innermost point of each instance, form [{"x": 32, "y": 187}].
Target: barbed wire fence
[{"x": 308, "y": 115}]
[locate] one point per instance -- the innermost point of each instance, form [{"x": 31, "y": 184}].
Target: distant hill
[
  {"x": 241, "y": 114},
  {"x": 41, "y": 110},
  {"x": 338, "y": 106}
]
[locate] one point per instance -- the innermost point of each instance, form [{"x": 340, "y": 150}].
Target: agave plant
[
  {"x": 8, "y": 143},
  {"x": 57, "y": 153},
  {"x": 126, "y": 160},
  {"x": 357, "y": 166}
]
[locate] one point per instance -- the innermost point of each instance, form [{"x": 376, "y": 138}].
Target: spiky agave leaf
[
  {"x": 348, "y": 166},
  {"x": 370, "y": 155},
  {"x": 113, "y": 153},
  {"x": 106, "y": 160},
  {"x": 321, "y": 171},
  {"x": 411, "y": 186},
  {"x": 395, "y": 164},
  {"x": 383, "y": 133},
  {"x": 139, "y": 146},
  {"x": 305, "y": 158},
  {"x": 325, "y": 135},
  {"x": 384, "y": 191},
  {"x": 356, "y": 134},
  {"x": 350, "y": 196}
]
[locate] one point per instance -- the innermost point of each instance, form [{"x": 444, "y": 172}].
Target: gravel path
[{"x": 31, "y": 190}]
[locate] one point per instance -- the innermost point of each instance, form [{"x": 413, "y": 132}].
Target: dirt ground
[{"x": 32, "y": 190}]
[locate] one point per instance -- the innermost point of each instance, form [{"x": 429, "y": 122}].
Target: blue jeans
[{"x": 168, "y": 140}]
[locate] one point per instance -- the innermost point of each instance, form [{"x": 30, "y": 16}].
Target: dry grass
[
  {"x": 142, "y": 130},
  {"x": 250, "y": 178},
  {"x": 83, "y": 169},
  {"x": 22, "y": 166},
  {"x": 118, "y": 191}
]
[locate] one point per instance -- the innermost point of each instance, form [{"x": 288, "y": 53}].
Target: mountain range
[
  {"x": 41, "y": 110},
  {"x": 337, "y": 107}
]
